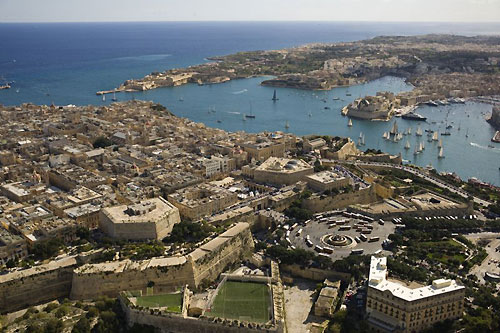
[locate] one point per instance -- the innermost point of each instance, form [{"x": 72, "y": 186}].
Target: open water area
[{"x": 68, "y": 63}]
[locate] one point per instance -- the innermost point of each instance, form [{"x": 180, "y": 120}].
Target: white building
[{"x": 394, "y": 306}]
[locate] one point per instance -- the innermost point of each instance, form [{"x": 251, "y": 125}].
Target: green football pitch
[
  {"x": 173, "y": 302},
  {"x": 246, "y": 301}
]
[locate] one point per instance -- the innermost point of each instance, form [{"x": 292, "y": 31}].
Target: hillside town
[{"x": 127, "y": 218}]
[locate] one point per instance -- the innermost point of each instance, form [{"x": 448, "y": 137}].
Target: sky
[{"x": 249, "y": 10}]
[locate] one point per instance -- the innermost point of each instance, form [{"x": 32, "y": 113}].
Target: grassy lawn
[
  {"x": 242, "y": 300},
  {"x": 173, "y": 302}
]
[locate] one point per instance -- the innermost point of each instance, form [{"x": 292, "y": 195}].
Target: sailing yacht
[
  {"x": 349, "y": 123},
  {"x": 363, "y": 140},
  {"x": 114, "y": 99},
  {"x": 440, "y": 144},
  {"x": 407, "y": 145},
  {"x": 251, "y": 115},
  {"x": 435, "y": 136},
  {"x": 419, "y": 131},
  {"x": 422, "y": 145},
  {"x": 394, "y": 129},
  {"x": 287, "y": 125},
  {"x": 440, "y": 154},
  {"x": 409, "y": 131},
  {"x": 103, "y": 97},
  {"x": 274, "y": 99}
]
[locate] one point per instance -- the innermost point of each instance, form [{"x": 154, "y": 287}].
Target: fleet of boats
[{"x": 395, "y": 135}]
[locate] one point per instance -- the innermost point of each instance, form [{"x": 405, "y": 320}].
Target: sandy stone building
[
  {"x": 263, "y": 150},
  {"x": 282, "y": 171},
  {"x": 327, "y": 180},
  {"x": 150, "y": 219},
  {"x": 201, "y": 200}
]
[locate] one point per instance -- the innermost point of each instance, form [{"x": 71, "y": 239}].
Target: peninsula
[{"x": 438, "y": 66}]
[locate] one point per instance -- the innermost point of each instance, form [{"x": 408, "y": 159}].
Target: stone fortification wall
[
  {"x": 205, "y": 264},
  {"x": 62, "y": 278},
  {"x": 167, "y": 274},
  {"x": 318, "y": 204},
  {"x": 213, "y": 258},
  {"x": 171, "y": 323},
  {"x": 36, "y": 285}
]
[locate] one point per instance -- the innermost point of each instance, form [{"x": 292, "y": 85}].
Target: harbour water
[{"x": 68, "y": 63}]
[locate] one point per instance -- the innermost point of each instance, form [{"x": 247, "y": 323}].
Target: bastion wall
[
  {"x": 36, "y": 285},
  {"x": 62, "y": 279}
]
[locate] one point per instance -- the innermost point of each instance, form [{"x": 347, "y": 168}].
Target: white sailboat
[
  {"x": 363, "y": 140},
  {"x": 360, "y": 135},
  {"x": 349, "y": 123},
  {"x": 440, "y": 144},
  {"x": 394, "y": 129},
  {"x": 407, "y": 145},
  {"x": 287, "y": 125},
  {"x": 419, "y": 131},
  {"x": 409, "y": 131},
  {"x": 440, "y": 154},
  {"x": 103, "y": 97},
  {"x": 416, "y": 151},
  {"x": 420, "y": 147},
  {"x": 384, "y": 135},
  {"x": 422, "y": 144},
  {"x": 435, "y": 136}
]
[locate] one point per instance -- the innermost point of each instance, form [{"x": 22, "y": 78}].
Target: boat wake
[
  {"x": 233, "y": 112},
  {"x": 496, "y": 150},
  {"x": 240, "y": 92}
]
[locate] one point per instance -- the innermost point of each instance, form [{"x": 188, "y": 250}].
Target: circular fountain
[{"x": 338, "y": 240}]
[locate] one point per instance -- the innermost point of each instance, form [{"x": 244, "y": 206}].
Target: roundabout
[
  {"x": 339, "y": 234},
  {"x": 338, "y": 241}
]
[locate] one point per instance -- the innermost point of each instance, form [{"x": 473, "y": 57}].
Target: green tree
[
  {"x": 82, "y": 326},
  {"x": 54, "y": 325}
]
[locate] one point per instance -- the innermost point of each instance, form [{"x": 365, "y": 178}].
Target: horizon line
[{"x": 248, "y": 21}]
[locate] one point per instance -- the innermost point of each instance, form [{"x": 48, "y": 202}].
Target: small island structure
[{"x": 379, "y": 107}]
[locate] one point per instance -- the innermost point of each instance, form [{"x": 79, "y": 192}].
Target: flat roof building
[
  {"x": 202, "y": 200},
  {"x": 282, "y": 171},
  {"x": 393, "y": 306},
  {"x": 149, "y": 219},
  {"x": 327, "y": 180}
]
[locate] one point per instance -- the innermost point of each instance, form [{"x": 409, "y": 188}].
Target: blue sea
[{"x": 66, "y": 63}]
